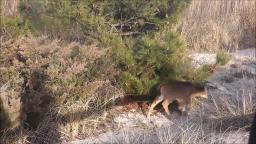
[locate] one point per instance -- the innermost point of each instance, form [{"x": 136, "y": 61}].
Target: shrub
[
  {"x": 151, "y": 60},
  {"x": 202, "y": 74},
  {"x": 222, "y": 58}
]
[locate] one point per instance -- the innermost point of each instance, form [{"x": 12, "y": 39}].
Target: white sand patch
[{"x": 199, "y": 59}]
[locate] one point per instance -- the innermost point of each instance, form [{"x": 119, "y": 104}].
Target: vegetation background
[{"x": 62, "y": 63}]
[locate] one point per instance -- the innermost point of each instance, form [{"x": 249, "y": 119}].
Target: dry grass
[
  {"x": 8, "y": 7},
  {"x": 210, "y": 25},
  {"x": 185, "y": 133},
  {"x": 222, "y": 121},
  {"x": 10, "y": 87},
  {"x": 242, "y": 104}
]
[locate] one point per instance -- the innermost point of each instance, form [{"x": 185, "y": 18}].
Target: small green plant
[
  {"x": 200, "y": 75},
  {"x": 222, "y": 58}
]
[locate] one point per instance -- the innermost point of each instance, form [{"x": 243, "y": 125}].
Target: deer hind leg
[
  {"x": 188, "y": 104},
  {"x": 165, "y": 104},
  {"x": 155, "y": 102}
]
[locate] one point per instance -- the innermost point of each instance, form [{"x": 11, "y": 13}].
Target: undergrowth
[{"x": 93, "y": 53}]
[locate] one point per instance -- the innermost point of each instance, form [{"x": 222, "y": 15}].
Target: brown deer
[{"x": 183, "y": 92}]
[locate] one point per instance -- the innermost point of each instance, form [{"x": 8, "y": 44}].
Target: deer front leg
[{"x": 165, "y": 104}]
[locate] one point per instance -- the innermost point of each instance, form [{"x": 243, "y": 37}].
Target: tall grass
[
  {"x": 210, "y": 25},
  {"x": 9, "y": 7}
]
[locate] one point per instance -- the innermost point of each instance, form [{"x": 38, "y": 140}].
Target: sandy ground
[{"x": 236, "y": 78}]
